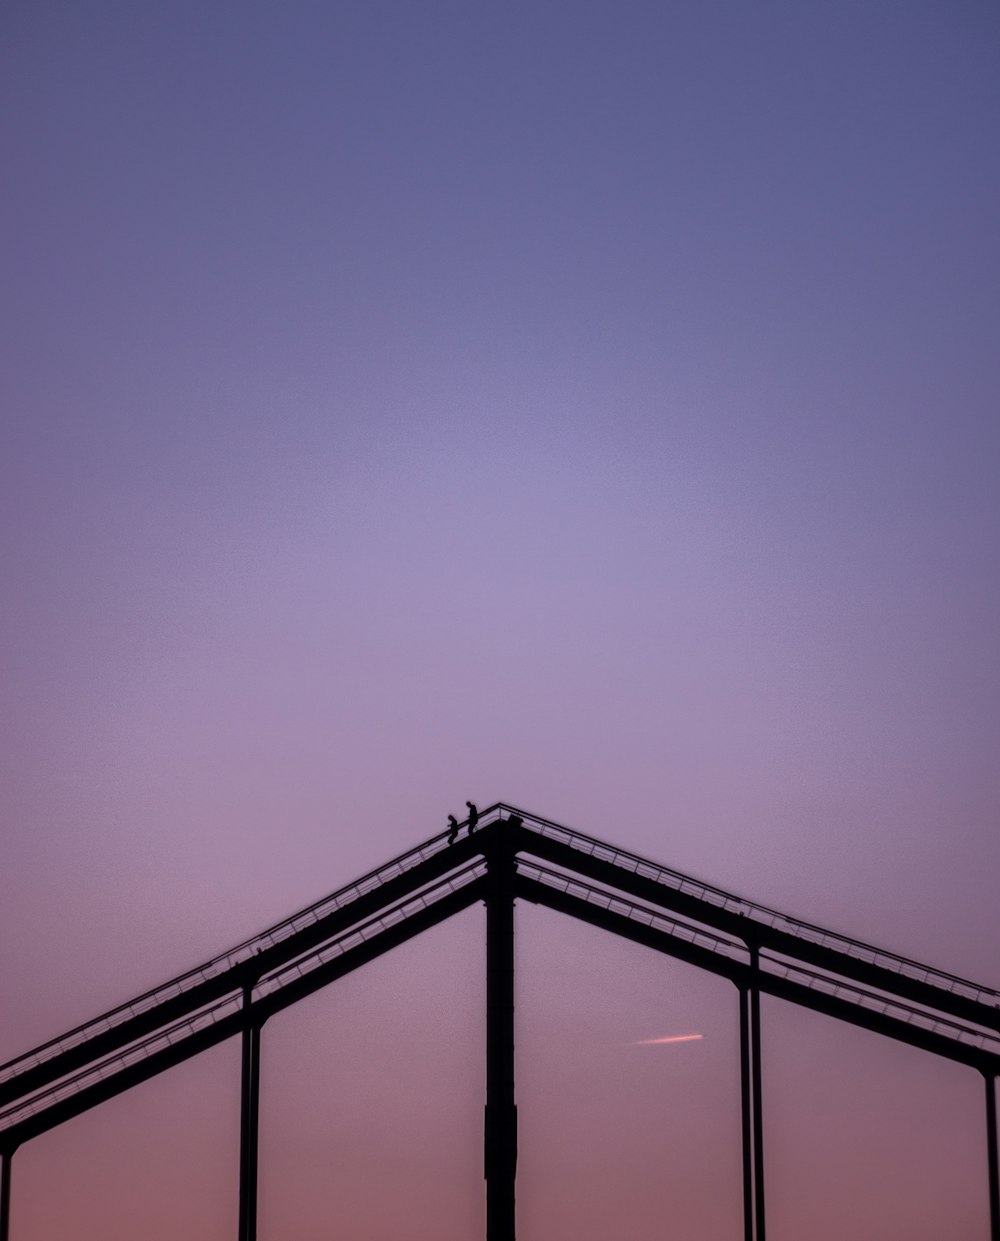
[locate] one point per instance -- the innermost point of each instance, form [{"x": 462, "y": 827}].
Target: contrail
[{"x": 673, "y": 1038}]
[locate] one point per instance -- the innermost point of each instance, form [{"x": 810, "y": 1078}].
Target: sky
[{"x": 590, "y": 406}]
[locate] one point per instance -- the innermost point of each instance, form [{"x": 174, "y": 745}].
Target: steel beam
[
  {"x": 991, "y": 1155},
  {"x": 233, "y": 1024},
  {"x": 751, "y": 1110},
  {"x": 367, "y": 905},
  {"x": 797, "y": 947},
  {"x": 5, "y": 1196},
  {"x": 249, "y": 1124},
  {"x": 746, "y": 1114},
  {"x": 757, "y": 1105},
  {"x": 769, "y": 984},
  {"x": 500, "y": 1145}
]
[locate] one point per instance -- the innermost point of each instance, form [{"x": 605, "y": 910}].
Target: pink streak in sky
[{"x": 673, "y": 1038}]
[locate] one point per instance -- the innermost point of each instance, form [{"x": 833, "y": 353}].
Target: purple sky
[{"x": 588, "y": 405}]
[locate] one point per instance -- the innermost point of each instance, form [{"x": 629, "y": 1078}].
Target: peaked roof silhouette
[{"x": 565, "y": 870}]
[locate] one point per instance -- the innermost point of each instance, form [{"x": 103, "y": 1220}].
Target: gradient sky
[{"x": 588, "y": 405}]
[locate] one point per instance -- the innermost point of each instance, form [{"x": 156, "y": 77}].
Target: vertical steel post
[
  {"x": 249, "y": 1126},
  {"x": 746, "y": 1075},
  {"x": 5, "y": 1196},
  {"x": 758, "y": 1117},
  {"x": 991, "y": 1154},
  {"x": 500, "y": 1146}
]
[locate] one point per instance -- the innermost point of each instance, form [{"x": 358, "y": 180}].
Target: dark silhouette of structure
[
  {"x": 513, "y": 856},
  {"x": 473, "y": 816}
]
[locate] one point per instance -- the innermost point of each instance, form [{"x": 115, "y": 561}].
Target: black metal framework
[{"x": 512, "y": 856}]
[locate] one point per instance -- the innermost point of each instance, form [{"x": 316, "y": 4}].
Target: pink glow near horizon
[{"x": 587, "y": 405}]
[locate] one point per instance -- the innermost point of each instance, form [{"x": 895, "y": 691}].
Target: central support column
[
  {"x": 249, "y": 1124},
  {"x": 5, "y": 1196},
  {"x": 991, "y": 1155},
  {"x": 501, "y": 1112}
]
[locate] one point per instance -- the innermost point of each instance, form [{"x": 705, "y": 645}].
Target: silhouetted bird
[
  {"x": 452, "y": 829},
  {"x": 473, "y": 816}
]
